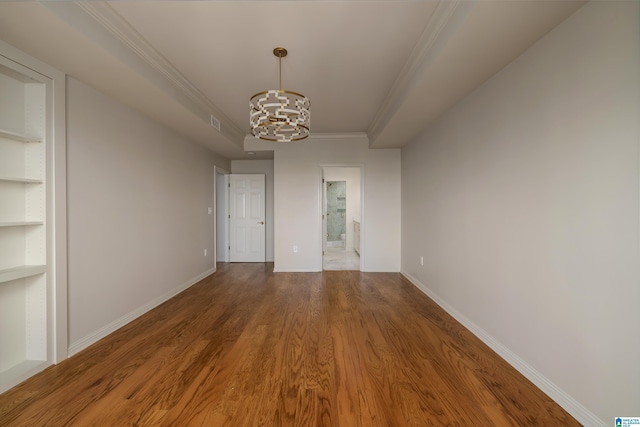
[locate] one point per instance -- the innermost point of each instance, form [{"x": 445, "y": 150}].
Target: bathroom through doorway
[{"x": 342, "y": 212}]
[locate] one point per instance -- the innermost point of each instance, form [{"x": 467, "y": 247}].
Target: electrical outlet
[
  {"x": 205, "y": 252},
  {"x": 295, "y": 249},
  {"x": 209, "y": 211},
  {"x": 421, "y": 260}
]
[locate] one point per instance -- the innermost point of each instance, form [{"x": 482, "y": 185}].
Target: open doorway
[{"x": 342, "y": 217}]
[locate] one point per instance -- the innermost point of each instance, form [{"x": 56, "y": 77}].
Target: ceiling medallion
[{"x": 279, "y": 115}]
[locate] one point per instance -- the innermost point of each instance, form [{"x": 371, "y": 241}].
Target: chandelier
[{"x": 279, "y": 115}]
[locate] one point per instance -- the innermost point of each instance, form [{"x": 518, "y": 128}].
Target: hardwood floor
[{"x": 248, "y": 347}]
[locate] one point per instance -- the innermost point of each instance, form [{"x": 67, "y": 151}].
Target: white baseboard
[
  {"x": 572, "y": 406},
  {"x": 94, "y": 337}
]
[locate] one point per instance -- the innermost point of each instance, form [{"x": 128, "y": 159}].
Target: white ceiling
[{"x": 386, "y": 68}]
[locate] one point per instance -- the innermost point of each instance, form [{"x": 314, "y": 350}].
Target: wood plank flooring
[{"x": 248, "y": 347}]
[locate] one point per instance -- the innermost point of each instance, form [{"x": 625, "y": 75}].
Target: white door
[{"x": 246, "y": 218}]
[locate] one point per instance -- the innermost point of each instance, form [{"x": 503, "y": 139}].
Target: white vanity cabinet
[{"x": 356, "y": 236}]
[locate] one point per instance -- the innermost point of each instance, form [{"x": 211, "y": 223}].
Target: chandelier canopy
[{"x": 279, "y": 115}]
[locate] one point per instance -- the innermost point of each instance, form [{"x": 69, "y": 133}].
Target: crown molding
[
  {"x": 101, "y": 23},
  {"x": 446, "y": 18},
  {"x": 251, "y": 143},
  {"x": 319, "y": 136},
  {"x": 348, "y": 136}
]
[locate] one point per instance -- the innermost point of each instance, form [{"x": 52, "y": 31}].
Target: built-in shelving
[{"x": 25, "y": 286}]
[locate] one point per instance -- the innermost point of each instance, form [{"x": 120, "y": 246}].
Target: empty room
[{"x": 331, "y": 213}]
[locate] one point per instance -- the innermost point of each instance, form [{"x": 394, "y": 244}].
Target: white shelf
[
  {"x": 20, "y": 372},
  {"x": 20, "y": 180},
  {"x": 21, "y": 272},
  {"x": 20, "y": 223},
  {"x": 19, "y": 137}
]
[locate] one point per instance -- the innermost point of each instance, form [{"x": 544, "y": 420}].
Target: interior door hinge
[
  {"x": 229, "y": 216},
  {"x": 229, "y": 247},
  {"x": 322, "y": 253},
  {"x": 323, "y": 180}
]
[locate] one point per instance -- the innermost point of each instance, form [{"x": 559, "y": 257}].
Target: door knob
[{"x": 261, "y": 222}]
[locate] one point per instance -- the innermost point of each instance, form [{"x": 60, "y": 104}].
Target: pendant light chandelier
[{"x": 279, "y": 115}]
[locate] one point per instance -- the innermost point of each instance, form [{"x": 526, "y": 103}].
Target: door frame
[
  {"x": 221, "y": 234},
  {"x": 321, "y": 203},
  {"x": 324, "y": 217}
]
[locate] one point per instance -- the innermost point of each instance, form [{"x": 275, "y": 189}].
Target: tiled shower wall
[{"x": 336, "y": 209}]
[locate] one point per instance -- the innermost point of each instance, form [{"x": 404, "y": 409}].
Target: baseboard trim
[
  {"x": 94, "y": 337},
  {"x": 572, "y": 406},
  {"x": 311, "y": 270}
]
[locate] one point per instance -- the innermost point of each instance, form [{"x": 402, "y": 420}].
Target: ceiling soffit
[
  {"x": 396, "y": 121},
  {"x": 445, "y": 20},
  {"x": 99, "y": 21},
  {"x": 464, "y": 44}
]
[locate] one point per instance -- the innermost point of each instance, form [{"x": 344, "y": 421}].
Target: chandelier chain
[{"x": 280, "y": 67}]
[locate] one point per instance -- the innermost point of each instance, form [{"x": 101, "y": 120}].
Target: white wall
[
  {"x": 524, "y": 201},
  {"x": 351, "y": 176},
  {"x": 264, "y": 167},
  {"x": 137, "y": 209},
  {"x": 298, "y": 202}
]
